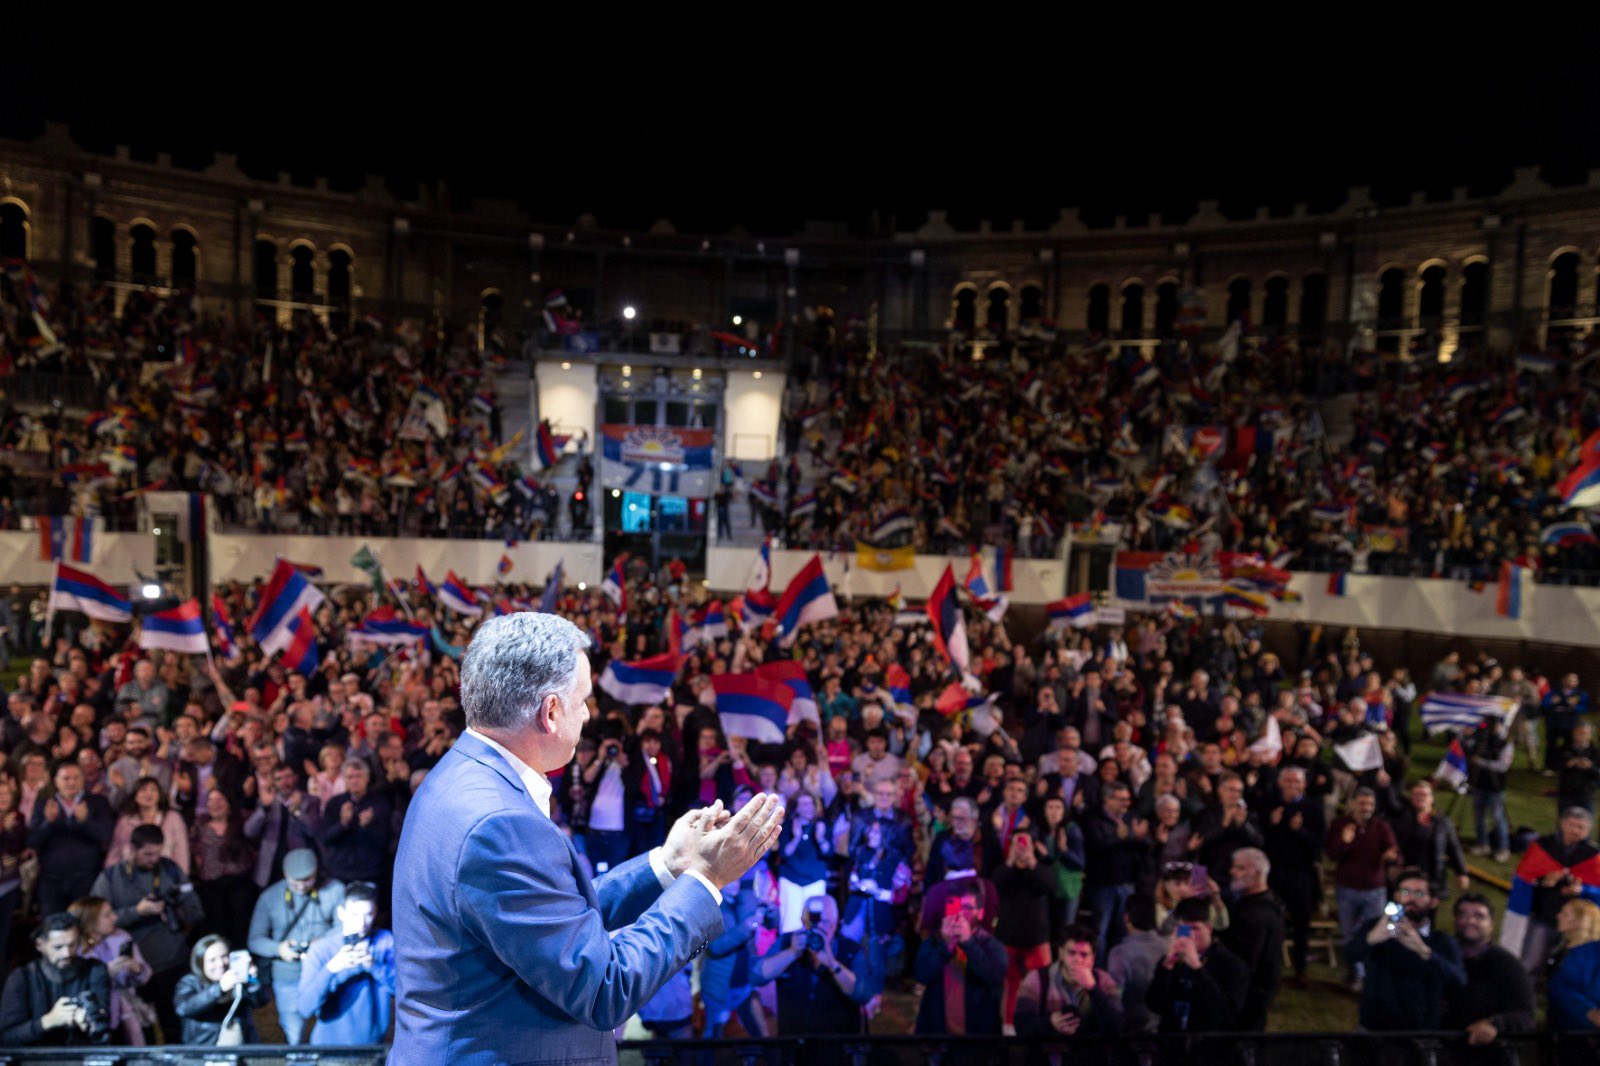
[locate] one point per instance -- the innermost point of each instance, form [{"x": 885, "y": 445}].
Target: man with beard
[
  {"x": 1255, "y": 933},
  {"x": 1410, "y": 965},
  {"x": 58, "y": 998},
  {"x": 1498, "y": 994}
]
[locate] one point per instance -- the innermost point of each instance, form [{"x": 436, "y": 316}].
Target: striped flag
[
  {"x": 751, "y": 706},
  {"x": 1003, "y": 556},
  {"x": 808, "y": 598},
  {"x": 69, "y": 537},
  {"x": 1453, "y": 710},
  {"x": 79, "y": 590},
  {"x": 1581, "y": 487},
  {"x": 178, "y": 628},
  {"x": 383, "y": 626},
  {"x": 1336, "y": 583},
  {"x": 790, "y": 673},
  {"x": 1452, "y": 769},
  {"x": 1566, "y": 534},
  {"x": 300, "y": 654},
  {"x": 226, "y": 642},
  {"x": 949, "y": 627},
  {"x": 546, "y": 446},
  {"x": 615, "y": 585},
  {"x": 1511, "y": 597},
  {"x": 1536, "y": 864},
  {"x": 288, "y": 592},
  {"x": 458, "y": 595},
  {"x": 1075, "y": 610},
  {"x": 643, "y": 682}
]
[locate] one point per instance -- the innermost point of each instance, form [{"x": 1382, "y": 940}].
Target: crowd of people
[
  {"x": 1018, "y": 441},
  {"x": 301, "y": 427},
  {"x": 1121, "y": 841}
]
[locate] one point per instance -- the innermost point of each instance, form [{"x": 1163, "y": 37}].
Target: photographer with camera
[
  {"x": 347, "y": 977},
  {"x": 60, "y": 997},
  {"x": 156, "y": 904},
  {"x": 1410, "y": 964},
  {"x": 290, "y": 914},
  {"x": 216, "y": 996},
  {"x": 826, "y": 984},
  {"x": 608, "y": 838}
]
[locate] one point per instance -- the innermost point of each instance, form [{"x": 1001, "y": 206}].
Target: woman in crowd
[
  {"x": 1059, "y": 845},
  {"x": 147, "y": 805},
  {"x": 803, "y": 851},
  {"x": 1574, "y": 987},
  {"x": 100, "y": 939},
  {"x": 224, "y": 862},
  {"x": 1024, "y": 921},
  {"x": 214, "y": 1001},
  {"x": 326, "y": 779}
]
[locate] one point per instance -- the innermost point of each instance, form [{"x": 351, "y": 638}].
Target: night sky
[{"x": 737, "y": 134}]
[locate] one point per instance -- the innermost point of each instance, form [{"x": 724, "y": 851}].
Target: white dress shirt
[{"x": 539, "y": 788}]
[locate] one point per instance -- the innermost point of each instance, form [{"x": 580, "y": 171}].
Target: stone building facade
[{"x": 1514, "y": 268}]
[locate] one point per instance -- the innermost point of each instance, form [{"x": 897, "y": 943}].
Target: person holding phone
[
  {"x": 1410, "y": 964},
  {"x": 216, "y": 997},
  {"x": 1200, "y": 986},
  {"x": 1024, "y": 925},
  {"x": 1071, "y": 998},
  {"x": 347, "y": 975},
  {"x": 100, "y": 939}
]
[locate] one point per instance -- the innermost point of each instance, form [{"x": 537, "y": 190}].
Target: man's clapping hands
[{"x": 721, "y": 846}]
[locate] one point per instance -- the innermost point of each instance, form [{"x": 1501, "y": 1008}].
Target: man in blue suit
[{"x": 506, "y": 952}]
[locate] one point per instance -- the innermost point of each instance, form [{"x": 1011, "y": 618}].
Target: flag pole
[{"x": 50, "y": 605}]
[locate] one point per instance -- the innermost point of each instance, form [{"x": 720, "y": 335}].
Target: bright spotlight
[
  {"x": 629, "y": 313},
  {"x": 151, "y": 592}
]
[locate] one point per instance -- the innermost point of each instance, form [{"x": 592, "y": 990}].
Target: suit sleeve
[
  {"x": 625, "y": 892},
  {"x": 520, "y": 898}
]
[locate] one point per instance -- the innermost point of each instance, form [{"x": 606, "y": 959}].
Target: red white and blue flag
[
  {"x": 504, "y": 566},
  {"x": 752, "y": 706},
  {"x": 808, "y": 598},
  {"x": 1003, "y": 556},
  {"x": 1567, "y": 534},
  {"x": 1581, "y": 487},
  {"x": 761, "y": 572},
  {"x": 1536, "y": 864},
  {"x": 545, "y": 445},
  {"x": 227, "y": 644},
  {"x": 288, "y": 592},
  {"x": 69, "y": 537},
  {"x": 1336, "y": 583},
  {"x": 177, "y": 628},
  {"x": 383, "y": 625},
  {"x": 1511, "y": 598},
  {"x": 458, "y": 595},
  {"x": 79, "y": 590},
  {"x": 713, "y": 621},
  {"x": 300, "y": 654},
  {"x": 756, "y": 607},
  {"x": 1452, "y": 769},
  {"x": 1071, "y": 610},
  {"x": 974, "y": 581},
  {"x": 424, "y": 586},
  {"x": 790, "y": 673},
  {"x": 949, "y": 627},
  {"x": 645, "y": 681},
  {"x": 615, "y": 585}
]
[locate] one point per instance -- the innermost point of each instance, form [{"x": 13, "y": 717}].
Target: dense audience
[{"x": 1126, "y": 843}]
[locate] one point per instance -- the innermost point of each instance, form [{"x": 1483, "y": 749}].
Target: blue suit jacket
[{"x": 503, "y": 949}]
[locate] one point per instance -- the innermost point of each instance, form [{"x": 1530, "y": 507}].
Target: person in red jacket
[{"x": 1361, "y": 846}]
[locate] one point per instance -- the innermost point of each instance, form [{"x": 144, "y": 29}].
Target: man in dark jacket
[
  {"x": 1429, "y": 842},
  {"x": 1294, "y": 832},
  {"x": 1562, "y": 707},
  {"x": 356, "y": 829},
  {"x": 70, "y": 830},
  {"x": 1580, "y": 770},
  {"x": 1071, "y": 998},
  {"x": 1115, "y": 843},
  {"x": 1200, "y": 986},
  {"x": 1498, "y": 994},
  {"x": 1411, "y": 966},
  {"x": 43, "y": 1001},
  {"x": 1226, "y": 824},
  {"x": 1255, "y": 933},
  {"x": 963, "y": 973}
]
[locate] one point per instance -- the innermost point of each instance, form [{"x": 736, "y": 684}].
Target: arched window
[
  {"x": 339, "y": 263},
  {"x": 1239, "y": 301},
  {"x": 1430, "y": 296},
  {"x": 185, "y": 259},
  {"x": 1132, "y": 310},
  {"x": 103, "y": 247},
  {"x": 1392, "y": 298},
  {"x": 964, "y": 317},
  {"x": 489, "y": 316},
  {"x": 1313, "y": 303},
  {"x": 1032, "y": 305},
  {"x": 266, "y": 270},
  {"x": 1166, "y": 308},
  {"x": 302, "y": 273},
  {"x": 1474, "y": 292},
  {"x": 1100, "y": 309},
  {"x": 13, "y": 231},
  {"x": 1275, "y": 303},
  {"x": 999, "y": 314},
  {"x": 142, "y": 254},
  {"x": 1563, "y": 300}
]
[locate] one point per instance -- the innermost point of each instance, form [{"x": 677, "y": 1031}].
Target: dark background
[{"x": 770, "y": 117}]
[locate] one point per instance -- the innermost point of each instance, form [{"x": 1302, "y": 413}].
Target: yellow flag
[
  {"x": 498, "y": 456},
  {"x": 869, "y": 557}
]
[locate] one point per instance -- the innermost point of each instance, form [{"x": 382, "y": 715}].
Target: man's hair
[
  {"x": 1257, "y": 859},
  {"x": 143, "y": 731},
  {"x": 1114, "y": 786},
  {"x": 879, "y": 733},
  {"x": 1411, "y": 873},
  {"x": 366, "y": 891},
  {"x": 59, "y": 922},
  {"x": 1194, "y": 909},
  {"x": 1365, "y": 793},
  {"x": 1473, "y": 897},
  {"x": 649, "y": 734},
  {"x": 514, "y": 663},
  {"x": 1577, "y": 812},
  {"x": 145, "y": 835},
  {"x": 1141, "y": 912},
  {"x": 964, "y": 804},
  {"x": 1075, "y": 934}
]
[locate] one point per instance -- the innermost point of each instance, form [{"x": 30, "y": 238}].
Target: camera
[
  {"x": 1392, "y": 913},
  {"x": 767, "y": 915},
  {"x": 169, "y": 916},
  {"x": 96, "y": 1019},
  {"x": 300, "y": 947}
]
